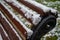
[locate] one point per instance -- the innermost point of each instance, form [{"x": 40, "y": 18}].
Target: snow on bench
[
  {"x": 43, "y": 7},
  {"x": 30, "y": 14},
  {"x": 1, "y": 37},
  {"x": 22, "y": 17},
  {"x": 16, "y": 24},
  {"x": 9, "y": 26},
  {"x": 29, "y": 32}
]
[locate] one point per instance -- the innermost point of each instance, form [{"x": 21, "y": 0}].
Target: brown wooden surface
[
  {"x": 33, "y": 7},
  {"x": 3, "y": 35},
  {"x": 18, "y": 25},
  {"x": 8, "y": 29},
  {"x": 20, "y": 12}
]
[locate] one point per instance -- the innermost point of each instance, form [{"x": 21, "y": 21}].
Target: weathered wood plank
[
  {"x": 33, "y": 7},
  {"x": 4, "y": 37},
  {"x": 20, "y": 12},
  {"x": 16, "y": 23},
  {"x": 8, "y": 29}
]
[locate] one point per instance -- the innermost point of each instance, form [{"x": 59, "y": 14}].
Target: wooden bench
[{"x": 27, "y": 19}]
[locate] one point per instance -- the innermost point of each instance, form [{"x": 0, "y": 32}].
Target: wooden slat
[
  {"x": 20, "y": 12},
  {"x": 16, "y": 23},
  {"x": 8, "y": 29},
  {"x": 33, "y": 7},
  {"x": 3, "y": 35}
]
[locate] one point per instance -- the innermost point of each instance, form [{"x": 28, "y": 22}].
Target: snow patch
[
  {"x": 43, "y": 7},
  {"x": 1, "y": 37},
  {"x": 28, "y": 12},
  {"x": 9, "y": 1},
  {"x": 29, "y": 32},
  {"x": 11, "y": 27}
]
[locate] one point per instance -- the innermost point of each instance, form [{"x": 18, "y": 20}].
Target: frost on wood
[
  {"x": 1, "y": 37},
  {"x": 10, "y": 26},
  {"x": 29, "y": 32},
  {"x": 43, "y": 7},
  {"x": 30, "y": 14}
]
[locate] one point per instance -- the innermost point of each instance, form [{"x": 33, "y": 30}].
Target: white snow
[
  {"x": 1, "y": 37},
  {"x": 29, "y": 32},
  {"x": 28, "y": 12},
  {"x": 43, "y": 7},
  {"x": 47, "y": 35},
  {"x": 9, "y": 1},
  {"x": 11, "y": 27},
  {"x": 53, "y": 10},
  {"x": 36, "y": 19}
]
